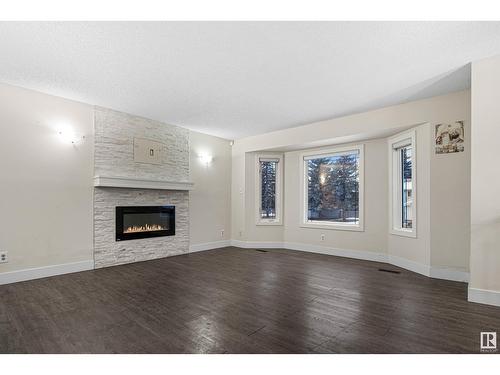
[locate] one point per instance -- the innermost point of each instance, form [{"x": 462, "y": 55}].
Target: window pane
[
  {"x": 268, "y": 189},
  {"x": 333, "y": 188},
  {"x": 406, "y": 187}
]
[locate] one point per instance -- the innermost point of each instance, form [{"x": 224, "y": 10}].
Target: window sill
[
  {"x": 321, "y": 225},
  {"x": 404, "y": 233},
  {"x": 270, "y": 222}
]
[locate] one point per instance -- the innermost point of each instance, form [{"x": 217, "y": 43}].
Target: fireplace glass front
[{"x": 134, "y": 222}]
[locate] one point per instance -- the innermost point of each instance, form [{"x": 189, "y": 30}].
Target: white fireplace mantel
[{"x": 134, "y": 183}]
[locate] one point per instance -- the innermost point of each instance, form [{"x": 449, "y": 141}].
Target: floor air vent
[
  {"x": 261, "y": 250},
  {"x": 390, "y": 271}
]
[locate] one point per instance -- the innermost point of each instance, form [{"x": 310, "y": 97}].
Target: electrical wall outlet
[
  {"x": 322, "y": 237},
  {"x": 4, "y": 257},
  {"x": 222, "y": 233}
]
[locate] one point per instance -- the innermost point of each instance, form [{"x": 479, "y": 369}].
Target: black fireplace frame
[{"x": 122, "y": 210}]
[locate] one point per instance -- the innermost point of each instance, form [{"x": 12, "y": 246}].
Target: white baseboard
[
  {"x": 488, "y": 297},
  {"x": 410, "y": 265},
  {"x": 452, "y": 274},
  {"x": 257, "y": 244},
  {"x": 209, "y": 246},
  {"x": 40, "y": 272},
  {"x": 423, "y": 269},
  {"x": 356, "y": 254},
  {"x": 238, "y": 243}
]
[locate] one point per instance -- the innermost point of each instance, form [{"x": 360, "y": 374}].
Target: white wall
[
  {"x": 238, "y": 180},
  {"x": 450, "y": 198},
  {"x": 45, "y": 185},
  {"x": 434, "y": 110},
  {"x": 446, "y": 211},
  {"x": 485, "y": 183},
  {"x": 210, "y": 201}
]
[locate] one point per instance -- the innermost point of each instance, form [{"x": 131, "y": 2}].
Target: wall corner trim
[
  {"x": 47, "y": 271},
  {"x": 484, "y": 296}
]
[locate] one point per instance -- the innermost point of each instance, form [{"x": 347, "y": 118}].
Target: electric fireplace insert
[{"x": 136, "y": 222}]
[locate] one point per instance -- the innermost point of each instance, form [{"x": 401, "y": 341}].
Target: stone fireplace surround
[{"x": 114, "y": 166}]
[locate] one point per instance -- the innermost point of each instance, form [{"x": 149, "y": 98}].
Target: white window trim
[
  {"x": 397, "y": 141},
  {"x": 304, "y": 223},
  {"x": 279, "y": 190}
]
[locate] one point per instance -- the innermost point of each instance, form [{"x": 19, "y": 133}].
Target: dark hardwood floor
[{"x": 242, "y": 301}]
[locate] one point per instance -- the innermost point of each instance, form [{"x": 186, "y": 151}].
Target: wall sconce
[
  {"x": 205, "y": 158},
  {"x": 70, "y": 137}
]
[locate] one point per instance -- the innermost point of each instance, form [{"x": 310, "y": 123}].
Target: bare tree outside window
[
  {"x": 406, "y": 187},
  {"x": 268, "y": 189},
  {"x": 333, "y": 188}
]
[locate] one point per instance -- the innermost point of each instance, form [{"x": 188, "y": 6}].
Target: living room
[{"x": 256, "y": 187}]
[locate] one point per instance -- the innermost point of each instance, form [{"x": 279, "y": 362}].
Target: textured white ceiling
[{"x": 235, "y": 79}]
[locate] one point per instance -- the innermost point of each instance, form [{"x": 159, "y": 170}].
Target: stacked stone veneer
[
  {"x": 114, "y": 147},
  {"x": 114, "y": 157},
  {"x": 108, "y": 252}
]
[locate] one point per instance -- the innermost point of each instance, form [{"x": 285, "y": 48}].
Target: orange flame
[{"x": 144, "y": 228}]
